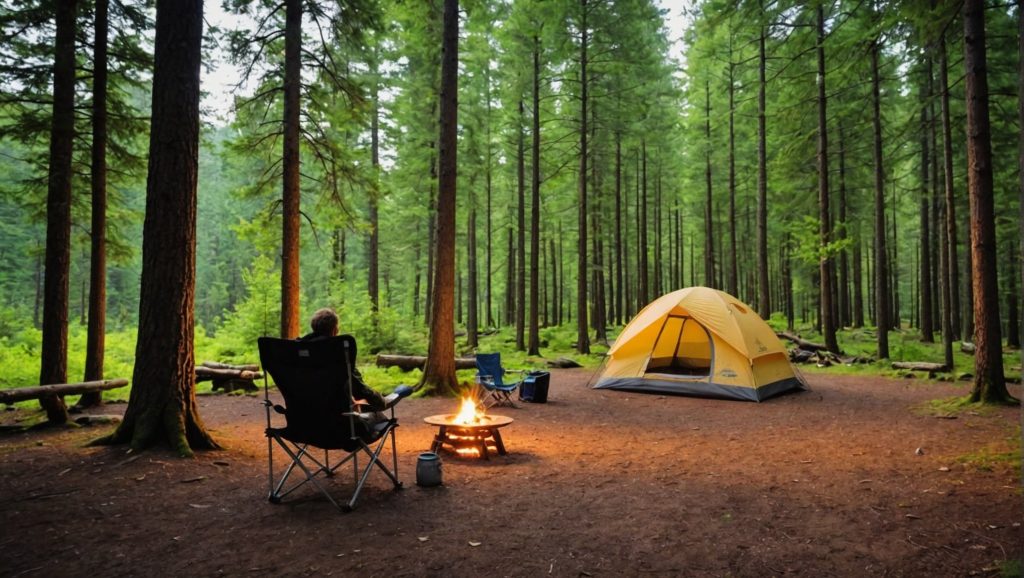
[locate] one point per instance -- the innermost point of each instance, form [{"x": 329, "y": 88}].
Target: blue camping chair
[{"x": 490, "y": 376}]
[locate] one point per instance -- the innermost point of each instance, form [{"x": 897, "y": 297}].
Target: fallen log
[
  {"x": 801, "y": 355},
  {"x": 920, "y": 366},
  {"x": 411, "y": 362},
  {"x": 219, "y": 365},
  {"x": 204, "y": 373},
  {"x": 9, "y": 396},
  {"x": 802, "y": 343},
  {"x": 563, "y": 363}
]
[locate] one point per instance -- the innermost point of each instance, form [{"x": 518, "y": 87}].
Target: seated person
[{"x": 325, "y": 324}]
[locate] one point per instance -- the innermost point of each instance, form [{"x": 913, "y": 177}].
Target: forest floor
[{"x": 854, "y": 477}]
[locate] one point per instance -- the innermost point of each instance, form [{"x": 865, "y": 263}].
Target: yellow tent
[{"x": 699, "y": 341}]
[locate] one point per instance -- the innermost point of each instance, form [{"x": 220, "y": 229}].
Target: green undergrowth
[
  {"x": 955, "y": 406},
  {"x": 988, "y": 459},
  {"x": 904, "y": 345},
  {"x": 235, "y": 342}
]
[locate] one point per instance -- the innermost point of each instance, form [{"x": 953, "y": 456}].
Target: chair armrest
[{"x": 392, "y": 399}]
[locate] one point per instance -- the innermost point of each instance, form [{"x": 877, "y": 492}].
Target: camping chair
[
  {"x": 490, "y": 376},
  {"x": 314, "y": 378}
]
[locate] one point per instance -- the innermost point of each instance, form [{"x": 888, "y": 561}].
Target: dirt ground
[{"x": 843, "y": 480}]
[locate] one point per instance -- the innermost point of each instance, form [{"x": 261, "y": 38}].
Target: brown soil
[{"x": 828, "y": 482}]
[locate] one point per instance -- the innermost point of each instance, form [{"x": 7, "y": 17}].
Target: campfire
[
  {"x": 469, "y": 413},
  {"x": 470, "y": 432}
]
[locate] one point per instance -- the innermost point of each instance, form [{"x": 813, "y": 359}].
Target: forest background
[{"x": 595, "y": 173}]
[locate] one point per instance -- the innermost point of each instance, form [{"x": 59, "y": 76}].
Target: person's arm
[{"x": 362, "y": 391}]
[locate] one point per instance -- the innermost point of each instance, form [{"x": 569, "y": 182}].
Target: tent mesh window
[{"x": 683, "y": 348}]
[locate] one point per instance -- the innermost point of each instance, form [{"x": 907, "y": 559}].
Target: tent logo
[{"x": 727, "y": 373}]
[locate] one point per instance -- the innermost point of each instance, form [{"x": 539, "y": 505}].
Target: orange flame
[{"x": 468, "y": 413}]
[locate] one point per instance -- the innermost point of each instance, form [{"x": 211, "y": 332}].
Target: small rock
[
  {"x": 943, "y": 469},
  {"x": 919, "y": 451},
  {"x": 474, "y": 544}
]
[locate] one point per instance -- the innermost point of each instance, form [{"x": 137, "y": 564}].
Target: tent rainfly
[{"x": 702, "y": 342}]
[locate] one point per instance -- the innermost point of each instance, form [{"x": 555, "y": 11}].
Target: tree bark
[
  {"x": 56, "y": 288},
  {"x": 439, "y": 372},
  {"x": 953, "y": 276},
  {"x": 521, "y": 230},
  {"x": 733, "y": 281},
  {"x": 472, "y": 289},
  {"x": 709, "y": 237},
  {"x": 619, "y": 298},
  {"x": 582, "y": 334},
  {"x": 924, "y": 285},
  {"x": 96, "y": 333},
  {"x": 162, "y": 406},
  {"x": 373, "y": 257},
  {"x": 845, "y": 314},
  {"x": 881, "y": 271},
  {"x": 533, "y": 341},
  {"x": 764, "y": 307},
  {"x": 989, "y": 381},
  {"x": 1020, "y": 154},
  {"x": 488, "y": 261},
  {"x": 290, "y": 211},
  {"x": 642, "y": 255},
  {"x": 828, "y": 321}
]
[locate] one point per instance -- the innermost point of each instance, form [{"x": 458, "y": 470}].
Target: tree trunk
[
  {"x": 373, "y": 258},
  {"x": 967, "y": 315},
  {"x": 599, "y": 317},
  {"x": 733, "y": 281},
  {"x": 764, "y": 307},
  {"x": 709, "y": 237},
  {"x": 881, "y": 272},
  {"x": 989, "y": 381},
  {"x": 521, "y": 230},
  {"x": 845, "y": 316},
  {"x": 1012, "y": 301},
  {"x": 953, "y": 276},
  {"x": 642, "y": 243},
  {"x": 924, "y": 284},
  {"x": 472, "y": 289},
  {"x": 828, "y": 321},
  {"x": 510, "y": 280},
  {"x": 162, "y": 406},
  {"x": 489, "y": 266},
  {"x": 858, "y": 283},
  {"x": 290, "y": 210},
  {"x": 96, "y": 333},
  {"x": 619, "y": 299},
  {"x": 533, "y": 342},
  {"x": 1020, "y": 154},
  {"x": 439, "y": 372},
  {"x": 582, "y": 335},
  {"x": 56, "y": 285}
]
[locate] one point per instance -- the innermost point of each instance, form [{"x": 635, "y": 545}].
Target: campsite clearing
[{"x": 850, "y": 478}]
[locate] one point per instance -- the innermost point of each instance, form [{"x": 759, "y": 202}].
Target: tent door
[{"x": 682, "y": 350}]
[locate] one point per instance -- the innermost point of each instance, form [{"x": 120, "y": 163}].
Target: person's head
[{"x": 324, "y": 322}]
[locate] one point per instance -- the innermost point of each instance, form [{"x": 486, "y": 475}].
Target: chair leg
[{"x": 300, "y": 455}]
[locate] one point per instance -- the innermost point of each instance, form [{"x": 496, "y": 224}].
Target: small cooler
[{"x": 534, "y": 388}]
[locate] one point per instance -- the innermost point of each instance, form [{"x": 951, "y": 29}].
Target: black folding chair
[{"x": 315, "y": 378}]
